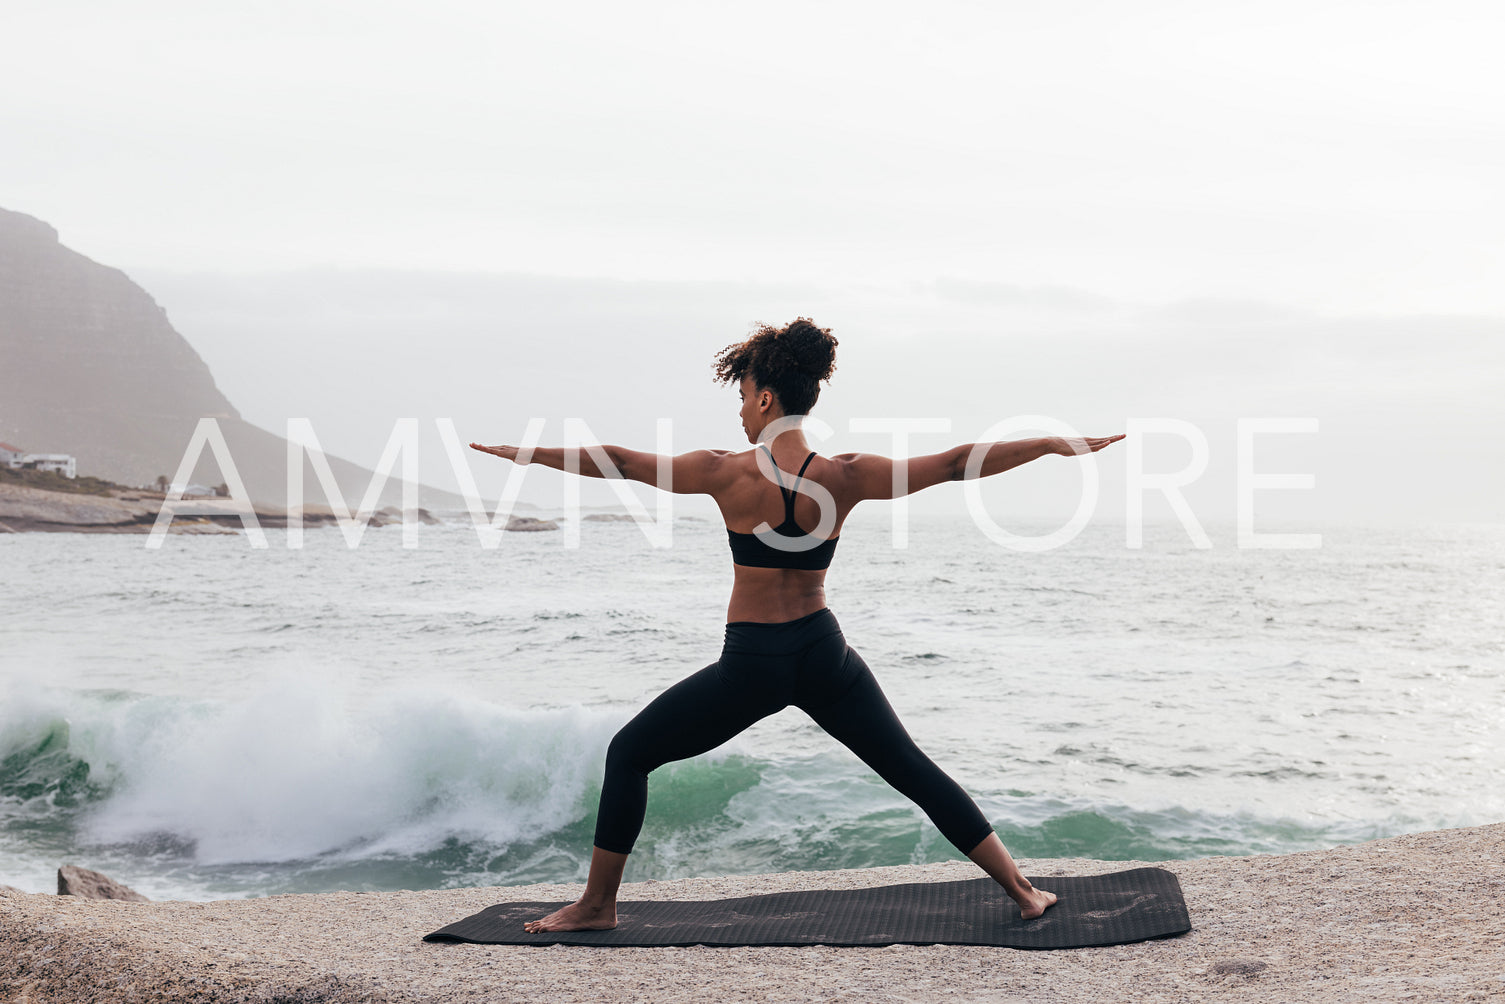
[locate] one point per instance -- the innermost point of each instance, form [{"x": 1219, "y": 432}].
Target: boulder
[
  {"x": 528, "y": 523},
  {"x": 86, "y": 884},
  {"x": 390, "y": 514},
  {"x": 385, "y": 516}
]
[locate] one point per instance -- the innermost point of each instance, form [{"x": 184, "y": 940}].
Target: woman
[{"x": 783, "y": 646}]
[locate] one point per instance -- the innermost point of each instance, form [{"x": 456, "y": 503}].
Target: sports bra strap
[
  {"x": 782, "y": 489},
  {"x": 803, "y": 466},
  {"x": 792, "y": 495}
]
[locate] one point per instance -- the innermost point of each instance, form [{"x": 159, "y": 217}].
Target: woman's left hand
[{"x": 1069, "y": 446}]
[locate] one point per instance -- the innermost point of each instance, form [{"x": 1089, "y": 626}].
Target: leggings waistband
[{"x": 782, "y": 636}]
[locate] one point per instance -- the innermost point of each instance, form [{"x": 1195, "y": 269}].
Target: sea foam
[{"x": 303, "y": 768}]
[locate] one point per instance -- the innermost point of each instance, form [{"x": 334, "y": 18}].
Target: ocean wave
[
  {"x": 298, "y": 770},
  {"x": 308, "y": 785}
]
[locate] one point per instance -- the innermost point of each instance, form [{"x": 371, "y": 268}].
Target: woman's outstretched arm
[
  {"x": 700, "y": 472},
  {"x": 877, "y": 477}
]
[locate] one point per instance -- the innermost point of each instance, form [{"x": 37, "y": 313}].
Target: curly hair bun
[
  {"x": 812, "y": 350},
  {"x": 790, "y": 361}
]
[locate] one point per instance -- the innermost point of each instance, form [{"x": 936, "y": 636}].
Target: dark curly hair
[{"x": 790, "y": 361}]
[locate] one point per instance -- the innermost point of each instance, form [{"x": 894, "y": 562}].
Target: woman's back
[{"x": 780, "y": 573}]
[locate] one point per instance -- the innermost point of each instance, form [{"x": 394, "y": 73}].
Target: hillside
[{"x": 90, "y": 365}]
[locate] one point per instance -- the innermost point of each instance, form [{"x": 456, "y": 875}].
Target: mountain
[{"x": 90, "y": 365}]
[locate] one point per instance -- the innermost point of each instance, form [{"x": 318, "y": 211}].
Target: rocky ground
[
  {"x": 1415, "y": 918},
  {"x": 24, "y": 508}
]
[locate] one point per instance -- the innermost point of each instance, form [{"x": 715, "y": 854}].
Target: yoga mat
[{"x": 1133, "y": 905}]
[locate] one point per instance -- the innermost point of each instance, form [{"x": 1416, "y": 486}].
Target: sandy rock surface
[
  {"x": 1415, "y": 918},
  {"x": 24, "y": 508},
  {"x": 23, "y": 502}
]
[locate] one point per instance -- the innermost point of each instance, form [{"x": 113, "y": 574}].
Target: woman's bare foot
[
  {"x": 992, "y": 857},
  {"x": 1033, "y": 902},
  {"x": 580, "y": 916}
]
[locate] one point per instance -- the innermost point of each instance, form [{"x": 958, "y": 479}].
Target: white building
[
  {"x": 191, "y": 490},
  {"x": 63, "y": 463},
  {"x": 17, "y": 459}
]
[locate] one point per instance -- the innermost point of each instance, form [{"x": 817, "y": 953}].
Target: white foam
[{"x": 306, "y": 768}]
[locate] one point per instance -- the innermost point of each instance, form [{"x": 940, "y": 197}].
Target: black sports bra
[{"x": 748, "y": 549}]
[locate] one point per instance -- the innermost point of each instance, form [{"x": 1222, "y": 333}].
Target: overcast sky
[{"x": 1097, "y": 211}]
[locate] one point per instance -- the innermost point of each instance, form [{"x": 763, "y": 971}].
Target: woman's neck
[{"x": 791, "y": 441}]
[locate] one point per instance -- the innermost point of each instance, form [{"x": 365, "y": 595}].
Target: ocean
[{"x": 208, "y": 720}]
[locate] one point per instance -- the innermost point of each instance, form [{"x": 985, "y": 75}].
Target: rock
[
  {"x": 608, "y": 517},
  {"x": 387, "y": 515},
  {"x": 390, "y": 515},
  {"x": 86, "y": 884},
  {"x": 1238, "y": 967},
  {"x": 23, "y": 502},
  {"x": 527, "y": 523},
  {"x": 25, "y": 508}
]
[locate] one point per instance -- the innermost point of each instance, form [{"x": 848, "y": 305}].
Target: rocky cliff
[{"x": 90, "y": 365}]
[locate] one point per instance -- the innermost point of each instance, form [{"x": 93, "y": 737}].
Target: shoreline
[
  {"x": 1419, "y": 916},
  {"x": 27, "y": 509}
]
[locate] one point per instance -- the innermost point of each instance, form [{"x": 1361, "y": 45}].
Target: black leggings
[{"x": 764, "y": 668}]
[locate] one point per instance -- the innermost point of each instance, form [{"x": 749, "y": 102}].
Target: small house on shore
[
  {"x": 18, "y": 459},
  {"x": 190, "y": 491}
]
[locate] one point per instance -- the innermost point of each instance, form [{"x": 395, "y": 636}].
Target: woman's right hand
[
  {"x": 1071, "y": 446},
  {"x": 505, "y": 452}
]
